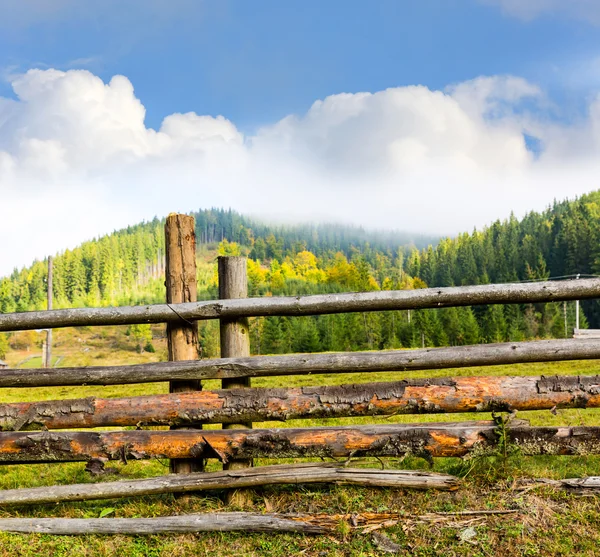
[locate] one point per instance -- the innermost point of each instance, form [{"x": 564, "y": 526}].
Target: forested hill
[
  {"x": 127, "y": 267},
  {"x": 272, "y": 241},
  {"x": 563, "y": 241}
]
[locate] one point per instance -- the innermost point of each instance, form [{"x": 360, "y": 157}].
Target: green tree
[
  {"x": 3, "y": 346},
  {"x": 141, "y": 336}
]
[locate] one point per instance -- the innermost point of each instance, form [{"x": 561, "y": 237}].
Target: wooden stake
[
  {"x": 182, "y": 335},
  {"x": 235, "y": 342}
]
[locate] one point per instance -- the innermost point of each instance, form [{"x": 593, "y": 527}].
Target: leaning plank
[
  {"x": 426, "y": 440},
  {"x": 513, "y": 293},
  {"x": 232, "y": 479},
  {"x": 413, "y": 396},
  {"x": 306, "y": 364},
  {"x": 210, "y": 522}
]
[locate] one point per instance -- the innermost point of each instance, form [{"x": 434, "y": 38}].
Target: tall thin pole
[{"x": 48, "y": 358}]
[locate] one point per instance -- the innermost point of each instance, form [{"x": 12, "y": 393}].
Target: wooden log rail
[
  {"x": 512, "y": 293},
  {"x": 300, "y": 473},
  {"x": 191, "y": 523},
  {"x": 393, "y": 440},
  {"x": 308, "y": 364},
  {"x": 414, "y": 396}
]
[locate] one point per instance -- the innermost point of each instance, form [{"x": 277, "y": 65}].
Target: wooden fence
[{"x": 237, "y": 405}]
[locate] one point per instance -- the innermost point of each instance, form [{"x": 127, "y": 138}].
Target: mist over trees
[{"x": 127, "y": 267}]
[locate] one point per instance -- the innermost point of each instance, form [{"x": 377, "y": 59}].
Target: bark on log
[
  {"x": 182, "y": 336},
  {"x": 426, "y": 440},
  {"x": 512, "y": 293},
  {"x": 307, "y": 364},
  {"x": 235, "y": 343},
  {"x": 414, "y": 396},
  {"x": 309, "y": 473},
  {"x": 210, "y": 522}
]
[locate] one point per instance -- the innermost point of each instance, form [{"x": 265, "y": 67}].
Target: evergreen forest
[{"x": 127, "y": 267}]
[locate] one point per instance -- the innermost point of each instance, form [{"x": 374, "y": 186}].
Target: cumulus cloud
[
  {"x": 77, "y": 160},
  {"x": 588, "y": 10}
]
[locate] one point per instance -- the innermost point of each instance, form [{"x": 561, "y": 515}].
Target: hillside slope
[{"x": 127, "y": 267}]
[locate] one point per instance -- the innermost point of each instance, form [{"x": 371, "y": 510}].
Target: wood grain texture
[
  {"x": 180, "y": 282},
  {"x": 210, "y": 522}
]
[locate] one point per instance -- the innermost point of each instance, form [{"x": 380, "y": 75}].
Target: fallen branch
[
  {"x": 369, "y": 522},
  {"x": 414, "y": 396},
  {"x": 210, "y": 522},
  {"x": 232, "y": 479},
  {"x": 221, "y": 522}
]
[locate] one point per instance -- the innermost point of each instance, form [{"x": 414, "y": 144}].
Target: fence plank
[
  {"x": 512, "y": 293},
  {"x": 413, "y": 396},
  {"x": 308, "y": 364},
  {"x": 426, "y": 440},
  {"x": 307, "y": 473}
]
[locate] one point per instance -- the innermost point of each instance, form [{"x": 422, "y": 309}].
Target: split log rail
[{"x": 237, "y": 405}]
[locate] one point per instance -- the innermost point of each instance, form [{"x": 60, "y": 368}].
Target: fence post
[
  {"x": 48, "y": 349},
  {"x": 235, "y": 342},
  {"x": 182, "y": 336}
]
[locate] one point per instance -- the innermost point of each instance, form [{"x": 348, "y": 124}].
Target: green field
[{"x": 548, "y": 522}]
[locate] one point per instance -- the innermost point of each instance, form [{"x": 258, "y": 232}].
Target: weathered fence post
[
  {"x": 48, "y": 347},
  {"x": 235, "y": 342},
  {"x": 182, "y": 336}
]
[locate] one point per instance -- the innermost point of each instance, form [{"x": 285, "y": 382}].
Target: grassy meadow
[{"x": 546, "y": 522}]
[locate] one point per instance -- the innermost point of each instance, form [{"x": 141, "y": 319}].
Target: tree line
[{"x": 127, "y": 267}]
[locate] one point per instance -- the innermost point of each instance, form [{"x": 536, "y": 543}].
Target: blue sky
[
  {"x": 255, "y": 62},
  {"x": 429, "y": 116}
]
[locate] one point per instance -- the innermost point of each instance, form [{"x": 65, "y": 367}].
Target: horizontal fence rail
[
  {"x": 307, "y": 364},
  {"x": 394, "y": 440},
  {"x": 512, "y": 293},
  {"x": 414, "y": 396}
]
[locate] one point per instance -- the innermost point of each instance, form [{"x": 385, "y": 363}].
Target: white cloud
[
  {"x": 76, "y": 160},
  {"x": 588, "y": 10}
]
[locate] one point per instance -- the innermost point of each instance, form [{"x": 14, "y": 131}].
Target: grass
[{"x": 547, "y": 523}]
